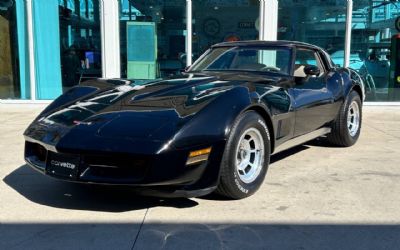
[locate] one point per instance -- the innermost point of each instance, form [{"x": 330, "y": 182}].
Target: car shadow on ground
[
  {"x": 321, "y": 142},
  {"x": 274, "y": 158},
  {"x": 181, "y": 235},
  {"x": 47, "y": 191},
  {"x": 55, "y": 193},
  {"x": 287, "y": 153}
]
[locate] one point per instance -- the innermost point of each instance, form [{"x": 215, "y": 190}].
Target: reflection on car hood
[
  {"x": 185, "y": 95},
  {"x": 155, "y": 111}
]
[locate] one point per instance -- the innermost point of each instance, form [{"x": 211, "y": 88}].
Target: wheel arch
[
  {"x": 267, "y": 118},
  {"x": 357, "y": 88},
  {"x": 353, "y": 81}
]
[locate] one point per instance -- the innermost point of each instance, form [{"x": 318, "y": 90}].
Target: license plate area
[{"x": 63, "y": 165}]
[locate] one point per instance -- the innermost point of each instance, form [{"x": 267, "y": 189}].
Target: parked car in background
[{"x": 373, "y": 64}]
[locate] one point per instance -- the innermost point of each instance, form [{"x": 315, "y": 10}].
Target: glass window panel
[
  {"x": 373, "y": 27},
  {"x": 91, "y": 9},
  {"x": 71, "y": 5},
  {"x": 218, "y": 21},
  {"x": 306, "y": 57},
  {"x": 80, "y": 45},
  {"x": 10, "y": 82},
  {"x": 152, "y": 38},
  {"x": 320, "y": 22},
  {"x": 84, "y": 9}
]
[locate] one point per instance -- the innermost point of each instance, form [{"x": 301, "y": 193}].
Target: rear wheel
[
  {"x": 347, "y": 126},
  {"x": 246, "y": 157}
]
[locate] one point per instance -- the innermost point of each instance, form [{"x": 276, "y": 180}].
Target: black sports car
[{"x": 212, "y": 128}]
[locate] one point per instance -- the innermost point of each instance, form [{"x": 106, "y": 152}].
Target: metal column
[
  {"x": 189, "y": 32},
  {"x": 110, "y": 40},
  {"x": 31, "y": 49},
  {"x": 269, "y": 20},
  {"x": 349, "y": 22}
]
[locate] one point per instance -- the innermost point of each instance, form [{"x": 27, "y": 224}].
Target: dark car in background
[{"x": 212, "y": 128}]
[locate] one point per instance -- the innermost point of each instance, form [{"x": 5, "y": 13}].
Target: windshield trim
[
  {"x": 242, "y": 70},
  {"x": 257, "y": 47}
]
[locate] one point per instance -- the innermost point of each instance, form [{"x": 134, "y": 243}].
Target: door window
[{"x": 305, "y": 57}]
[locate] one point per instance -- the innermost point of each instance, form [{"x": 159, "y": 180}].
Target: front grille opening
[
  {"x": 37, "y": 151},
  {"x": 117, "y": 167}
]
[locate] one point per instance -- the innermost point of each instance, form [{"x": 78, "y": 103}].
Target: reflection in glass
[
  {"x": 10, "y": 87},
  {"x": 323, "y": 24},
  {"x": 80, "y": 41},
  {"x": 224, "y": 21},
  {"x": 84, "y": 10},
  {"x": 373, "y": 27},
  {"x": 152, "y": 38}
]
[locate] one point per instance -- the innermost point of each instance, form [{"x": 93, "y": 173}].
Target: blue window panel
[
  {"x": 47, "y": 49},
  {"x": 141, "y": 42},
  {"x": 23, "y": 50}
]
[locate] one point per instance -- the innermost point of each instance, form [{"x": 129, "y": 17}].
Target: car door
[{"x": 312, "y": 98}]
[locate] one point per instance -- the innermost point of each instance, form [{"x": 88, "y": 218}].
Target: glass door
[
  {"x": 224, "y": 21},
  {"x": 152, "y": 38},
  {"x": 10, "y": 87},
  {"x": 80, "y": 41}
]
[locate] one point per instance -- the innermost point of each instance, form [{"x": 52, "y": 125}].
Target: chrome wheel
[
  {"x": 250, "y": 155},
  {"x": 353, "y": 119}
]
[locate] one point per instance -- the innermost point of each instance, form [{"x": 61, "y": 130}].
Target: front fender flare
[{"x": 213, "y": 122}]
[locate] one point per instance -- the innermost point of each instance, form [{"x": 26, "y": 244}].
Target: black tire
[
  {"x": 340, "y": 135},
  {"x": 231, "y": 184}
]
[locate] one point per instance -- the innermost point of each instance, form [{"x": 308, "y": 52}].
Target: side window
[{"x": 306, "y": 57}]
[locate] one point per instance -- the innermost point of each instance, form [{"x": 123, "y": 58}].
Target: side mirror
[
  {"x": 185, "y": 69},
  {"x": 311, "y": 70}
]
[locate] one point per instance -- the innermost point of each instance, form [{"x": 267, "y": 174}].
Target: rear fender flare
[{"x": 353, "y": 81}]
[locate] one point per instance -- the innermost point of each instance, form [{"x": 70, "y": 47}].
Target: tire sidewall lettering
[
  {"x": 262, "y": 123},
  {"x": 239, "y": 185}
]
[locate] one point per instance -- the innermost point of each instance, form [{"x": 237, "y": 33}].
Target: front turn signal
[{"x": 198, "y": 156}]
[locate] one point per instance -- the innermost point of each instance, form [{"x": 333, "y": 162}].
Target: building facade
[{"x": 50, "y": 46}]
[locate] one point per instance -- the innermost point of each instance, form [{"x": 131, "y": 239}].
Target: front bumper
[{"x": 155, "y": 171}]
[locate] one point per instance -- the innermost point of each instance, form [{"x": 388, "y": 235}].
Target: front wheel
[
  {"x": 346, "y": 128},
  {"x": 246, "y": 157}
]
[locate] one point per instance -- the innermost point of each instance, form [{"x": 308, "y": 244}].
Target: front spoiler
[
  {"x": 168, "y": 176},
  {"x": 174, "y": 192},
  {"x": 152, "y": 190},
  {"x": 179, "y": 179}
]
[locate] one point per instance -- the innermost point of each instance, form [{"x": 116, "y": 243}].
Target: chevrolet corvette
[{"x": 211, "y": 128}]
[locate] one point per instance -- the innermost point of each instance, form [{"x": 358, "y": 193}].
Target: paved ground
[{"x": 314, "y": 197}]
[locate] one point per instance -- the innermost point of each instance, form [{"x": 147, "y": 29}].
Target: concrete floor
[{"x": 314, "y": 197}]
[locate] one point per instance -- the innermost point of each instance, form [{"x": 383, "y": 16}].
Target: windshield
[{"x": 276, "y": 60}]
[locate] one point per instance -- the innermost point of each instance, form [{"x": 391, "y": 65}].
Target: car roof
[{"x": 280, "y": 43}]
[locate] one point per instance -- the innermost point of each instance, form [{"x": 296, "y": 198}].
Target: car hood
[
  {"x": 184, "y": 95},
  {"x": 136, "y": 112}
]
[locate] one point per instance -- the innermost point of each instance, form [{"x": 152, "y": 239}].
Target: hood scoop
[{"x": 164, "y": 87}]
